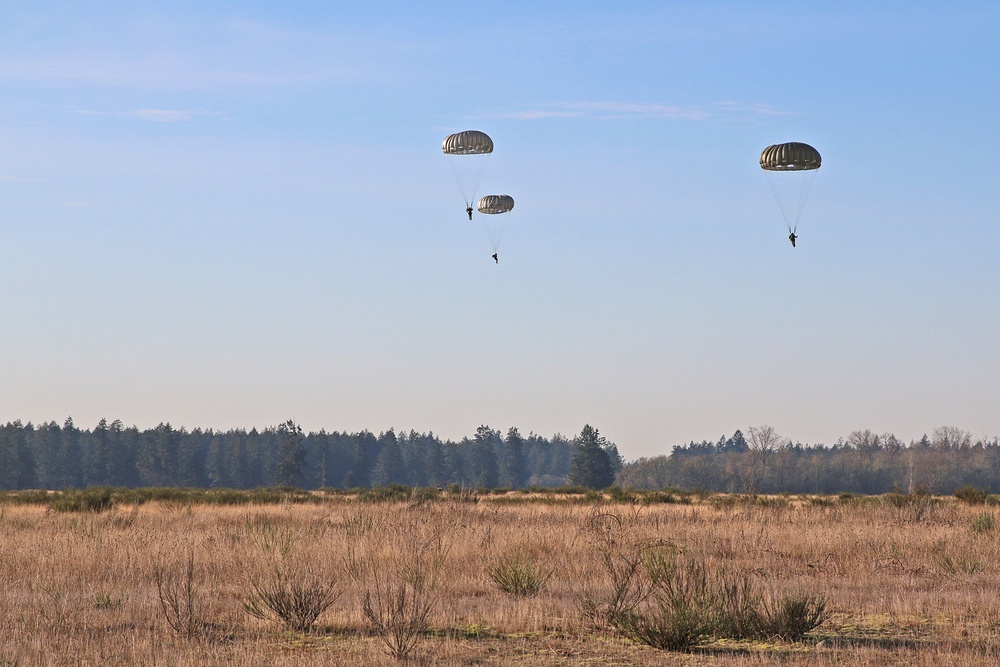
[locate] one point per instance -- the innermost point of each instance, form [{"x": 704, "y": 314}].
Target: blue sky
[{"x": 231, "y": 214}]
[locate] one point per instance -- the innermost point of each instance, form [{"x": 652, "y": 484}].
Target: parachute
[
  {"x": 790, "y": 169},
  {"x": 467, "y": 153},
  {"x": 495, "y": 210}
]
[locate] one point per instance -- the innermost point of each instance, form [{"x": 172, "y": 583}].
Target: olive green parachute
[
  {"x": 793, "y": 156},
  {"x": 495, "y": 210},
  {"x": 790, "y": 169},
  {"x": 467, "y": 152},
  {"x": 470, "y": 142},
  {"x": 494, "y": 204}
]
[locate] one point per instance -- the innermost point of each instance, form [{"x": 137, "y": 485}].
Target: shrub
[
  {"x": 620, "y": 495},
  {"x": 737, "y": 607},
  {"x": 569, "y": 490},
  {"x": 621, "y": 556},
  {"x": 669, "y": 628},
  {"x": 518, "y": 576},
  {"x": 627, "y": 587},
  {"x": 661, "y": 497},
  {"x": 398, "y": 612},
  {"x": 398, "y": 601},
  {"x": 31, "y": 497},
  {"x": 180, "y": 599},
  {"x": 983, "y": 523},
  {"x": 425, "y": 494},
  {"x": 680, "y": 615},
  {"x": 93, "y": 499},
  {"x": 972, "y": 495},
  {"x": 672, "y": 600},
  {"x": 792, "y": 617},
  {"x": 390, "y": 493},
  {"x": 295, "y": 599}
]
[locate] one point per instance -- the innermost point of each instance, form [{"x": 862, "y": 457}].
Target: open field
[{"x": 914, "y": 582}]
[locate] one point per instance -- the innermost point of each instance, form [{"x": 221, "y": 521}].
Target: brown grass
[{"x": 905, "y": 585}]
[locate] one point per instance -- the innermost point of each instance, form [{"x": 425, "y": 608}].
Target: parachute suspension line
[
  {"x": 791, "y": 191},
  {"x": 468, "y": 171},
  {"x": 494, "y": 225},
  {"x": 774, "y": 190},
  {"x": 477, "y": 177}
]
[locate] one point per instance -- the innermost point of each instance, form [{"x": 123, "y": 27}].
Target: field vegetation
[{"x": 439, "y": 577}]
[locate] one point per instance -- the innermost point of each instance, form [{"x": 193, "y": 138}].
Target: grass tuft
[
  {"x": 985, "y": 522},
  {"x": 517, "y": 575}
]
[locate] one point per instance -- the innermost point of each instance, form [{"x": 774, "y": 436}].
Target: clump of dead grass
[{"x": 517, "y": 574}]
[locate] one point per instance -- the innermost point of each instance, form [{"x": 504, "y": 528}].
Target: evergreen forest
[{"x": 50, "y": 455}]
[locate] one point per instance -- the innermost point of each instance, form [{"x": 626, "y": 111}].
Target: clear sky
[{"x": 230, "y": 214}]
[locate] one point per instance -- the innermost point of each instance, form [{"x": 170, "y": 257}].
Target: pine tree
[
  {"x": 482, "y": 466},
  {"x": 8, "y": 458},
  {"x": 291, "y": 455},
  {"x": 70, "y": 459},
  {"x": 366, "y": 451},
  {"x": 124, "y": 445},
  {"x": 389, "y": 466},
  {"x": 157, "y": 456},
  {"x": 97, "y": 469},
  {"x": 413, "y": 447},
  {"x": 591, "y": 466},
  {"x": 513, "y": 472},
  {"x": 434, "y": 463},
  {"x": 45, "y": 445},
  {"x": 25, "y": 457}
]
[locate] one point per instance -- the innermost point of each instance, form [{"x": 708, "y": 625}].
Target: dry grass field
[{"x": 914, "y": 583}]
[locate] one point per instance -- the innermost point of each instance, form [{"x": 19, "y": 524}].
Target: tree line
[
  {"x": 761, "y": 461},
  {"x": 54, "y": 456}
]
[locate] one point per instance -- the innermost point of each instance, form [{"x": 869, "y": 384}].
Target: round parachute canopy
[
  {"x": 790, "y": 169},
  {"x": 793, "y": 156},
  {"x": 469, "y": 142},
  {"x": 493, "y": 204},
  {"x": 494, "y": 221}
]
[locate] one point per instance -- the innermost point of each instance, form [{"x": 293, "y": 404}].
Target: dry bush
[
  {"x": 401, "y": 593},
  {"x": 972, "y": 495},
  {"x": 179, "y": 594},
  {"x": 397, "y": 611},
  {"x": 680, "y": 610},
  {"x": 292, "y": 596},
  {"x": 613, "y": 538},
  {"x": 663, "y": 597},
  {"x": 691, "y": 602}
]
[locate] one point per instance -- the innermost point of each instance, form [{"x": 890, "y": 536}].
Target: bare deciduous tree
[
  {"x": 763, "y": 441},
  {"x": 865, "y": 443},
  {"x": 947, "y": 438},
  {"x": 891, "y": 444}
]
